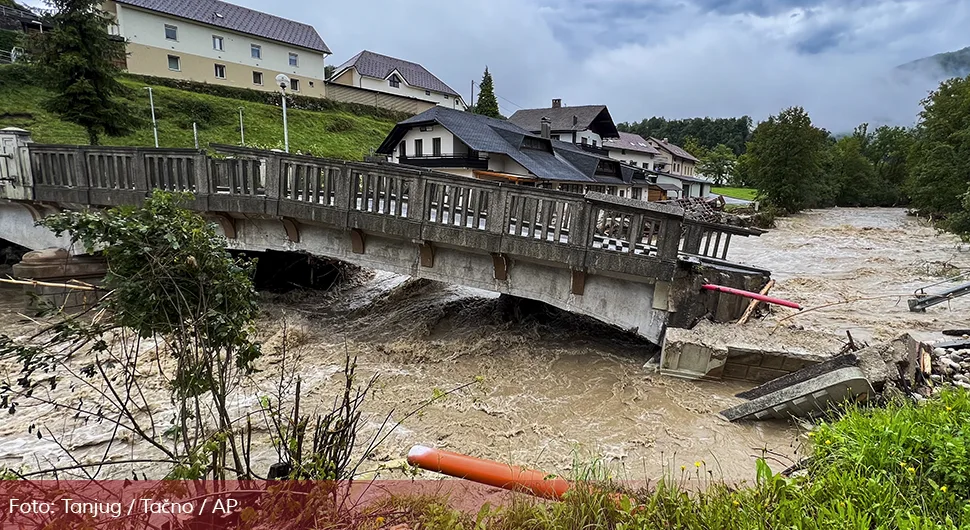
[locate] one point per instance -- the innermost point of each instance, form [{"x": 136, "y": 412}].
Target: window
[
  {"x": 257, "y": 78},
  {"x": 529, "y": 142},
  {"x": 436, "y": 146},
  {"x": 555, "y": 137},
  {"x": 256, "y": 51},
  {"x": 611, "y": 190},
  {"x": 418, "y": 147},
  {"x": 402, "y": 150},
  {"x": 171, "y": 32},
  {"x": 585, "y": 140},
  {"x": 446, "y": 96},
  {"x": 427, "y": 92},
  {"x": 174, "y": 63},
  {"x": 218, "y": 43},
  {"x": 594, "y": 143},
  {"x": 294, "y": 59},
  {"x": 220, "y": 71},
  {"x": 636, "y": 193},
  {"x": 395, "y": 81},
  {"x": 295, "y": 85}
]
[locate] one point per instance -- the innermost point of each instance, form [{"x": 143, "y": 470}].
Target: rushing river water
[{"x": 561, "y": 388}]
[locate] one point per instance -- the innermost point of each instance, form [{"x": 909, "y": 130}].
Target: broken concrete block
[
  {"x": 806, "y": 398},
  {"x": 811, "y": 372}
]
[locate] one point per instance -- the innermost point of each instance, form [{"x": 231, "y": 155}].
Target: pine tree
[
  {"x": 487, "y": 104},
  {"x": 77, "y": 61}
]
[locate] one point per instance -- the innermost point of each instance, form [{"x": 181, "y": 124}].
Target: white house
[
  {"x": 632, "y": 149},
  {"x": 586, "y": 125},
  {"x": 673, "y": 159},
  {"x": 219, "y": 43},
  {"x": 381, "y": 73}
]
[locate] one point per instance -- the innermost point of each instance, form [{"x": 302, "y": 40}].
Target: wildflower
[
  {"x": 682, "y": 468},
  {"x": 943, "y": 489},
  {"x": 736, "y": 503},
  {"x": 948, "y": 409},
  {"x": 828, "y": 442},
  {"x": 902, "y": 464},
  {"x": 912, "y": 470},
  {"x": 697, "y": 464},
  {"x": 379, "y": 520},
  {"x": 810, "y": 434}
]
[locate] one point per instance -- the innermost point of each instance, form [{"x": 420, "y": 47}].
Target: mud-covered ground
[{"x": 554, "y": 388}]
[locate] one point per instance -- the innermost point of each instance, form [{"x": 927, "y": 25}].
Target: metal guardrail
[{"x": 594, "y": 231}]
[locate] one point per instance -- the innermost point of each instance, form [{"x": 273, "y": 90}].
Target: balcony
[
  {"x": 595, "y": 150},
  {"x": 473, "y": 161}
]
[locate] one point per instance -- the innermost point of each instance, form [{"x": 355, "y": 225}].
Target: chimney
[
  {"x": 546, "y": 128},
  {"x": 666, "y": 140},
  {"x": 557, "y": 103},
  {"x": 575, "y": 120}
]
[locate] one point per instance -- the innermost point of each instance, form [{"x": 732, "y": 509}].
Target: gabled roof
[
  {"x": 674, "y": 149},
  {"x": 593, "y": 117},
  {"x": 630, "y": 142},
  {"x": 237, "y": 18},
  {"x": 370, "y": 64},
  {"x": 560, "y": 161}
]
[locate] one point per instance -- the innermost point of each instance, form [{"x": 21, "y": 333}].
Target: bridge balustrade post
[
  {"x": 499, "y": 211},
  {"x": 692, "y": 239},
  {"x": 668, "y": 240},
  {"x": 273, "y": 183},
  {"x": 16, "y": 173},
  {"x": 81, "y": 179},
  {"x": 139, "y": 173},
  {"x": 584, "y": 223},
  {"x": 418, "y": 200}
]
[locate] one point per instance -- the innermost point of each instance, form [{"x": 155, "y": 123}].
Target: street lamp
[
  {"x": 242, "y": 129},
  {"x": 151, "y": 99},
  {"x": 284, "y": 82}
]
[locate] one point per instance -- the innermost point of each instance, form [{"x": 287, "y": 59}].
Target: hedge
[{"x": 272, "y": 98}]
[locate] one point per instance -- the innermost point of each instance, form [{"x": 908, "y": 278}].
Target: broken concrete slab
[
  {"x": 756, "y": 354},
  {"x": 806, "y": 398},
  {"x": 811, "y": 372}
]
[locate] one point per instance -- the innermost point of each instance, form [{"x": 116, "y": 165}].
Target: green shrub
[{"x": 10, "y": 39}]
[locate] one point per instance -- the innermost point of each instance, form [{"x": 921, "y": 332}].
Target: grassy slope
[
  {"x": 332, "y": 134},
  {"x": 747, "y": 194}
]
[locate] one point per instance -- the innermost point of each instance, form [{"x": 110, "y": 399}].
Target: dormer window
[{"x": 395, "y": 81}]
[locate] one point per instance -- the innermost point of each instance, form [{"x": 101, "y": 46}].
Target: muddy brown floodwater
[{"x": 558, "y": 388}]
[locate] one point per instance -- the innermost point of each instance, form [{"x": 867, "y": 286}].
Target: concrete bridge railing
[{"x": 595, "y": 234}]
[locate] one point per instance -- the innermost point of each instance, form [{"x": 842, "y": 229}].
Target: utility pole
[
  {"x": 471, "y": 102},
  {"x": 284, "y": 82},
  {"x": 242, "y": 130},
  {"x": 195, "y": 134},
  {"x": 151, "y": 100}
]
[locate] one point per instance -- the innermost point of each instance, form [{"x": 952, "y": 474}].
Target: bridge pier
[{"x": 52, "y": 270}]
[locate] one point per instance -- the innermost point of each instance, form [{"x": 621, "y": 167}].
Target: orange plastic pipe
[{"x": 488, "y": 472}]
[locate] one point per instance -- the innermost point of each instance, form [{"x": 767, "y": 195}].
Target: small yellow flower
[
  {"x": 697, "y": 464},
  {"x": 736, "y": 503},
  {"x": 948, "y": 409},
  {"x": 682, "y": 468},
  {"x": 379, "y": 520},
  {"x": 912, "y": 470},
  {"x": 810, "y": 434},
  {"x": 828, "y": 442},
  {"x": 902, "y": 464},
  {"x": 943, "y": 489}
]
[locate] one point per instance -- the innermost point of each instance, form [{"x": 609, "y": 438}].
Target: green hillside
[
  {"x": 331, "y": 133},
  {"x": 944, "y": 65}
]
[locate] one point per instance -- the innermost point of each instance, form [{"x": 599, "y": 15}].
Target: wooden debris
[
  {"x": 73, "y": 284},
  {"x": 754, "y": 303}
]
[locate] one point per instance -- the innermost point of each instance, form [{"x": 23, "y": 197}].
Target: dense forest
[{"x": 706, "y": 132}]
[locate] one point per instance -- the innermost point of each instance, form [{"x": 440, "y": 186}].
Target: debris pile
[{"x": 949, "y": 364}]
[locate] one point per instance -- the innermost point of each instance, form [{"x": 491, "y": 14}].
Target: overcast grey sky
[{"x": 673, "y": 58}]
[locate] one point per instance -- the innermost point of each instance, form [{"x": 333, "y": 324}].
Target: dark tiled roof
[
  {"x": 372, "y": 64},
  {"x": 563, "y": 161},
  {"x": 674, "y": 149},
  {"x": 237, "y": 18},
  {"x": 631, "y": 142},
  {"x": 593, "y": 117}
]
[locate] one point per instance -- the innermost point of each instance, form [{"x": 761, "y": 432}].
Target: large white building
[
  {"x": 632, "y": 149},
  {"x": 381, "y": 73},
  {"x": 219, "y": 43}
]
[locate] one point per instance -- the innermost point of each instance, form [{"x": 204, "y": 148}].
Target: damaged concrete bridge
[{"x": 632, "y": 264}]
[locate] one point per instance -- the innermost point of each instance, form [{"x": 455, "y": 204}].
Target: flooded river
[{"x": 558, "y": 388}]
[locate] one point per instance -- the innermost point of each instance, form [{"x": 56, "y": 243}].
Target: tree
[
  {"x": 940, "y": 156},
  {"x": 708, "y": 132},
  {"x": 853, "y": 175},
  {"x": 328, "y": 71},
  {"x": 718, "y": 164},
  {"x": 77, "y": 60},
  {"x": 693, "y": 146},
  {"x": 487, "y": 103},
  {"x": 786, "y": 160}
]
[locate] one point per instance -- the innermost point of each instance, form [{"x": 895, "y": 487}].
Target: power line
[{"x": 497, "y": 95}]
